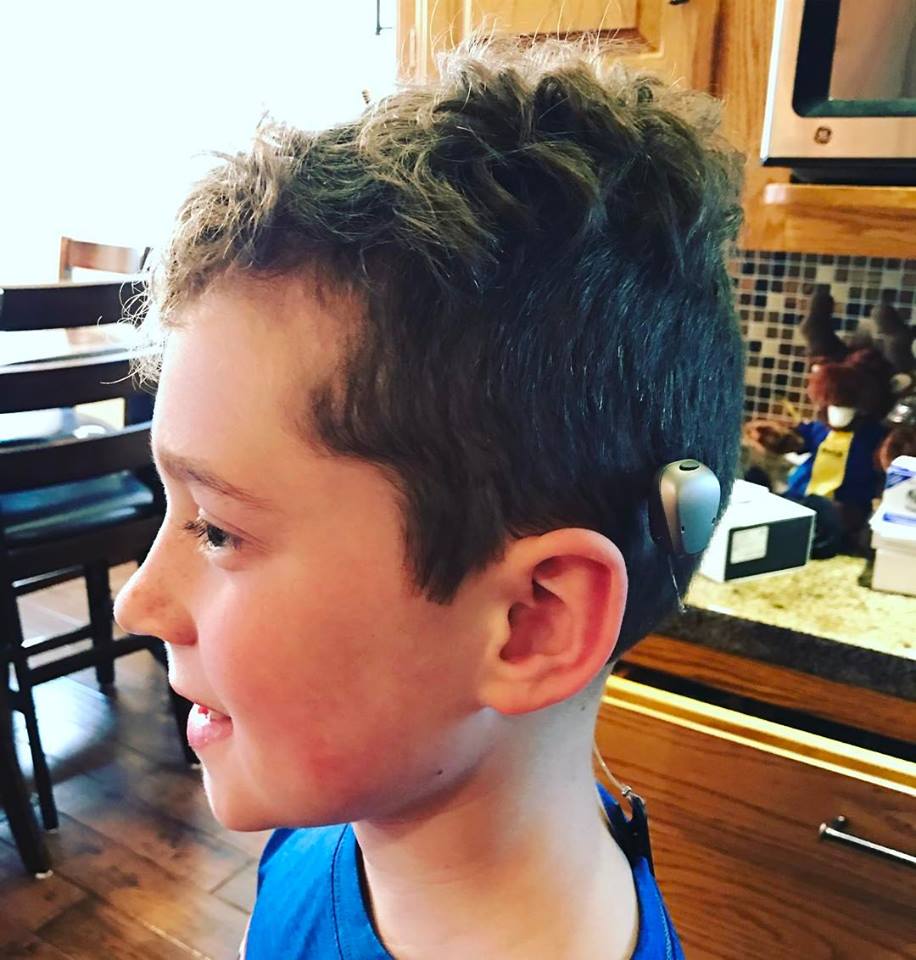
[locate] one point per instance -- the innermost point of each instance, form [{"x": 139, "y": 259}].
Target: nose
[{"x": 152, "y": 602}]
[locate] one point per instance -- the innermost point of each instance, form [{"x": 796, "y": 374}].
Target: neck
[{"x": 516, "y": 862}]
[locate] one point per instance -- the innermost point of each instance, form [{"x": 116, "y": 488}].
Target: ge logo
[{"x": 823, "y": 135}]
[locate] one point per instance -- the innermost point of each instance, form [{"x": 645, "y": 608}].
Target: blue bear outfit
[{"x": 861, "y": 479}]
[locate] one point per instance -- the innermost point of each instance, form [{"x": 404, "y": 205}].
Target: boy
[{"x": 417, "y": 375}]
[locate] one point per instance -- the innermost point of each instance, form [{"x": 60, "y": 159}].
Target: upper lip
[{"x": 200, "y": 703}]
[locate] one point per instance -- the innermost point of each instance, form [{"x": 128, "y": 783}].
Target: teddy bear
[{"x": 853, "y": 387}]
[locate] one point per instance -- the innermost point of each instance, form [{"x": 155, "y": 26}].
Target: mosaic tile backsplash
[{"x": 772, "y": 291}]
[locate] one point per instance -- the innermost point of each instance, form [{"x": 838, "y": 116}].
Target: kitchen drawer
[{"x": 735, "y": 806}]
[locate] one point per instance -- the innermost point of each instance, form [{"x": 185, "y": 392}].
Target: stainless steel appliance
[{"x": 841, "y": 98}]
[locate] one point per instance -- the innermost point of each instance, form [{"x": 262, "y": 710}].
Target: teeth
[{"x": 210, "y": 713}]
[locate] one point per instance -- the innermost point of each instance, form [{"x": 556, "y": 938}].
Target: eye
[{"x": 212, "y": 538}]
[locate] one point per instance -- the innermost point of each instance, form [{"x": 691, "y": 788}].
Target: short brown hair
[{"x": 538, "y": 238}]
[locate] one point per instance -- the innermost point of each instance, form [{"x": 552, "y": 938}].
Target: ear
[{"x": 563, "y": 606}]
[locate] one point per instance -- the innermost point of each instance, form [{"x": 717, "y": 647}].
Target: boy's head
[{"x": 450, "y": 343}]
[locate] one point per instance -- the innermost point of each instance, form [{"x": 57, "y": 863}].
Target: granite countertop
[{"x": 818, "y": 619}]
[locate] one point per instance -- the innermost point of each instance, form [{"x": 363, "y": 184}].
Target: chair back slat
[
  {"x": 68, "y": 305},
  {"x": 86, "y": 255},
  {"x": 35, "y": 465},
  {"x": 66, "y": 382}
]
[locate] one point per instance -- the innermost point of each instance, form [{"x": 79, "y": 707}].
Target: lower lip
[{"x": 206, "y": 727}]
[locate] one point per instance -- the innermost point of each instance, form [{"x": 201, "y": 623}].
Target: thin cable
[
  {"x": 621, "y": 788},
  {"x": 611, "y": 778},
  {"x": 677, "y": 588}
]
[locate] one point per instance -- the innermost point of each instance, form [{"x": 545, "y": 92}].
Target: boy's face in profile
[{"x": 291, "y": 610}]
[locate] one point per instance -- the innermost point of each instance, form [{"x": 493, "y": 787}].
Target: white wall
[{"x": 106, "y": 108}]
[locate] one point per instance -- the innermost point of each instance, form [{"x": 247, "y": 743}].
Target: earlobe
[{"x": 562, "y": 622}]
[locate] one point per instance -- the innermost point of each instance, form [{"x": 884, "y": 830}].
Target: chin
[{"x": 235, "y": 812}]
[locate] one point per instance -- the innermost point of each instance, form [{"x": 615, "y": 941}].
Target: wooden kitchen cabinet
[
  {"x": 839, "y": 703},
  {"x": 532, "y": 17},
  {"x": 675, "y": 39},
  {"x": 735, "y": 805}
]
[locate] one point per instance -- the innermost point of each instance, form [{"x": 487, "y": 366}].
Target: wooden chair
[
  {"x": 101, "y": 258},
  {"x": 86, "y": 255},
  {"x": 69, "y": 506},
  {"x": 14, "y": 797}
]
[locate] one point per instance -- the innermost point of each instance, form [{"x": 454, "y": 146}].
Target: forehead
[{"x": 239, "y": 365}]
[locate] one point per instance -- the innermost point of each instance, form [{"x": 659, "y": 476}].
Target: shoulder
[
  {"x": 294, "y": 901},
  {"x": 657, "y": 936}
]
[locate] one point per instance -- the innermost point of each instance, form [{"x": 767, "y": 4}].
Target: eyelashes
[{"x": 212, "y": 538}]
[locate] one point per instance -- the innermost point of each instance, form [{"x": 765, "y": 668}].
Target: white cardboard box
[
  {"x": 759, "y": 534},
  {"x": 895, "y": 567},
  {"x": 894, "y": 530}
]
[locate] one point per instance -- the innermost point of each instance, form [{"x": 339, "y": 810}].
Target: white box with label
[
  {"x": 894, "y": 530},
  {"x": 759, "y": 534}
]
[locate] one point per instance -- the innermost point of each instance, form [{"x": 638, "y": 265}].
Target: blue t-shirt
[{"x": 310, "y": 903}]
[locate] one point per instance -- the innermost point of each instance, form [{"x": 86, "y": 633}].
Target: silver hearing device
[{"x": 683, "y": 507}]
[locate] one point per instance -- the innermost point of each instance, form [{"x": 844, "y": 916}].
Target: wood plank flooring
[{"x": 141, "y": 868}]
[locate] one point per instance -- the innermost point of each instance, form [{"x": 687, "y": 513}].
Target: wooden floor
[{"x": 141, "y": 868}]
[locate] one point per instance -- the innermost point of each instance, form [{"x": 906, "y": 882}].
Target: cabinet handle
[{"x": 835, "y": 831}]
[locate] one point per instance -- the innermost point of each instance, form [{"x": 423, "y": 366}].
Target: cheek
[
  {"x": 328, "y": 743},
  {"x": 299, "y": 664},
  {"x": 299, "y": 625},
  {"x": 329, "y": 680}
]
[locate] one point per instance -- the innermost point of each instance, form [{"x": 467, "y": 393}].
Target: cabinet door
[
  {"x": 538, "y": 17},
  {"x": 735, "y": 833},
  {"x": 674, "y": 39}
]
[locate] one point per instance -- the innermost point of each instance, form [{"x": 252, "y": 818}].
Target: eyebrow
[{"x": 188, "y": 470}]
